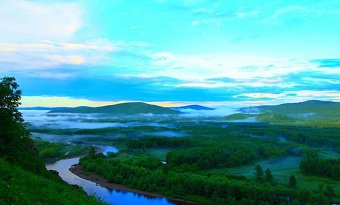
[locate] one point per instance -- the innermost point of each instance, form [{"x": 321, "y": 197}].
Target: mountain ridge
[
  {"x": 315, "y": 107},
  {"x": 192, "y": 107},
  {"x": 130, "y": 108},
  {"x": 310, "y": 113}
]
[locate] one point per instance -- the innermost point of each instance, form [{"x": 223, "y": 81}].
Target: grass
[
  {"x": 19, "y": 186},
  {"x": 159, "y": 153},
  {"x": 329, "y": 154},
  {"x": 310, "y": 183},
  {"x": 282, "y": 163},
  {"x": 283, "y": 168}
]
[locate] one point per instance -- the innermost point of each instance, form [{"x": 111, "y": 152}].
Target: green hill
[
  {"x": 309, "y": 113},
  {"x": 132, "y": 108},
  {"x": 307, "y": 109}
]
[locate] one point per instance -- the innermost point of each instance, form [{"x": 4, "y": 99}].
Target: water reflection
[{"x": 116, "y": 197}]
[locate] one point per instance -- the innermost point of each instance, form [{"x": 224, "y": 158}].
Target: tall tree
[
  {"x": 15, "y": 143},
  {"x": 258, "y": 172},
  {"x": 268, "y": 176},
  {"x": 292, "y": 181},
  {"x": 11, "y": 129}
]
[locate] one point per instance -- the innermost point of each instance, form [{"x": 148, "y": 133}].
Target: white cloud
[
  {"x": 32, "y": 21},
  {"x": 71, "y": 59},
  {"x": 332, "y": 95},
  {"x": 57, "y": 101},
  {"x": 293, "y": 96},
  {"x": 48, "y": 54},
  {"x": 259, "y": 95},
  {"x": 241, "y": 68}
]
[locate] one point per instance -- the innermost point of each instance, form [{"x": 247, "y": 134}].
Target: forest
[
  {"x": 193, "y": 167},
  {"x": 206, "y": 160},
  {"x": 212, "y": 161},
  {"x": 23, "y": 176}
]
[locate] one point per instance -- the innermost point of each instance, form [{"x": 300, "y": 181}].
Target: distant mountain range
[
  {"x": 192, "y": 107},
  {"x": 131, "y": 108},
  {"x": 314, "y": 108},
  {"x": 313, "y": 112}
]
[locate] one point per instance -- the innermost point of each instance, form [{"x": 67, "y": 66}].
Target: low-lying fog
[
  {"x": 43, "y": 119},
  {"x": 154, "y": 125}
]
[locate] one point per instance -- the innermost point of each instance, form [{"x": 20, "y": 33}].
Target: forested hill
[
  {"x": 193, "y": 107},
  {"x": 308, "y": 113},
  {"x": 312, "y": 108},
  {"x": 131, "y": 108}
]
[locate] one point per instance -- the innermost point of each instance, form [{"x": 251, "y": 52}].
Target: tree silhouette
[
  {"x": 292, "y": 182},
  {"x": 268, "y": 176},
  {"x": 258, "y": 171},
  {"x": 15, "y": 144}
]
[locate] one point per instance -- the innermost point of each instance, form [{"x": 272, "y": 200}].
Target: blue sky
[{"x": 213, "y": 52}]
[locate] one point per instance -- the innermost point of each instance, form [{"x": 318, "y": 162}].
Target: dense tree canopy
[
  {"x": 15, "y": 143},
  {"x": 10, "y": 98}
]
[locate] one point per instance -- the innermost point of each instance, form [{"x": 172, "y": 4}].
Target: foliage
[
  {"x": 15, "y": 143},
  {"x": 268, "y": 176},
  {"x": 52, "y": 151},
  {"x": 292, "y": 182},
  {"x": 23, "y": 176},
  {"x": 158, "y": 142},
  {"x": 18, "y": 186},
  {"x": 321, "y": 167},
  {"x": 312, "y": 136},
  {"x": 220, "y": 152},
  {"x": 258, "y": 172},
  {"x": 309, "y": 113},
  {"x": 149, "y": 174},
  {"x": 315, "y": 108}
]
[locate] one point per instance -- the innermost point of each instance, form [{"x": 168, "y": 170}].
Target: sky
[{"x": 171, "y": 52}]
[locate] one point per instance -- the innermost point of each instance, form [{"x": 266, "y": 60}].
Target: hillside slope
[
  {"x": 19, "y": 186},
  {"x": 312, "y": 108},
  {"x": 193, "y": 107},
  {"x": 309, "y": 113},
  {"x": 132, "y": 108}
]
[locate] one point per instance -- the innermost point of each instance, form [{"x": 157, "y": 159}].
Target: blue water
[{"x": 110, "y": 196}]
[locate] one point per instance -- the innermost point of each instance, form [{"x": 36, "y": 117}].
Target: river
[{"x": 110, "y": 196}]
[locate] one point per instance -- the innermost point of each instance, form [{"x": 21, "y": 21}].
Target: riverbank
[
  {"x": 99, "y": 180},
  {"x": 98, "y": 150}
]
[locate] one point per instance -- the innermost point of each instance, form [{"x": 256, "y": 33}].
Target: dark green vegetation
[
  {"x": 218, "y": 150},
  {"x": 190, "y": 180},
  {"x": 212, "y": 149},
  {"x": 314, "y": 165},
  {"x": 20, "y": 186},
  {"x": 122, "y": 109},
  {"x": 286, "y": 156},
  {"x": 312, "y": 108},
  {"x": 199, "y": 167},
  {"x": 310, "y": 113},
  {"x": 23, "y": 176},
  {"x": 312, "y": 136},
  {"x": 52, "y": 151}
]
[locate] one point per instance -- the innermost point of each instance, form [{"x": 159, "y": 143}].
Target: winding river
[{"x": 110, "y": 196}]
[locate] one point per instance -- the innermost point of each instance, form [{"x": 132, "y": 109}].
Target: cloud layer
[{"x": 207, "y": 51}]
